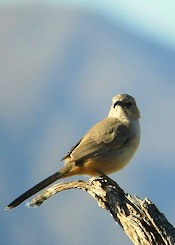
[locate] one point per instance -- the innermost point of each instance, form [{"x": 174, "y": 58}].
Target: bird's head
[{"x": 124, "y": 106}]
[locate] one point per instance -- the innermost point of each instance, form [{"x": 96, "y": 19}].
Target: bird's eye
[{"x": 128, "y": 104}]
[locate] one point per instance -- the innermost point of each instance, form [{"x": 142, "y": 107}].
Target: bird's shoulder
[{"x": 108, "y": 132}]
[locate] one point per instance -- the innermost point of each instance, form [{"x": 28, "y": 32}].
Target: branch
[{"x": 140, "y": 219}]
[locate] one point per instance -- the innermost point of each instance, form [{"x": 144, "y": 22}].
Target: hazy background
[{"x": 61, "y": 62}]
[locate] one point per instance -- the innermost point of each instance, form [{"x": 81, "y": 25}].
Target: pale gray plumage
[{"x": 107, "y": 147}]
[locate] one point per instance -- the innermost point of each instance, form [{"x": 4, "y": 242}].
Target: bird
[{"x": 106, "y": 147}]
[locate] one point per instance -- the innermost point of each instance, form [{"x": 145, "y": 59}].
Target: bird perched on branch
[{"x": 106, "y": 148}]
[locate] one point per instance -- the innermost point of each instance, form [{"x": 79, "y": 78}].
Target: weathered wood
[{"x": 140, "y": 219}]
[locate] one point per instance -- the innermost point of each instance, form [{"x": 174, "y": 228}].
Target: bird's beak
[{"x": 118, "y": 103}]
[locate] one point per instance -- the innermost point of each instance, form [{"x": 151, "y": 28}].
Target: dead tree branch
[{"x": 140, "y": 219}]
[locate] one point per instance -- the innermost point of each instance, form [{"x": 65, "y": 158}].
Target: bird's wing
[{"x": 109, "y": 134}]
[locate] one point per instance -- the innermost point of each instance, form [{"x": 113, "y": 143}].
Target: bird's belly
[{"x": 110, "y": 162}]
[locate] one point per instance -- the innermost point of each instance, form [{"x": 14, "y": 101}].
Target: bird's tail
[{"x": 46, "y": 182}]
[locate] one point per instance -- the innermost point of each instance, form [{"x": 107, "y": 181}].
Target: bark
[{"x": 140, "y": 219}]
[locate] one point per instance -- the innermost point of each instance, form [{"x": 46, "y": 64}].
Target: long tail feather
[{"x": 36, "y": 188}]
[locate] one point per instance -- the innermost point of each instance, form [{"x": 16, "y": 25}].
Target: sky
[
  {"x": 60, "y": 68},
  {"x": 152, "y": 19}
]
